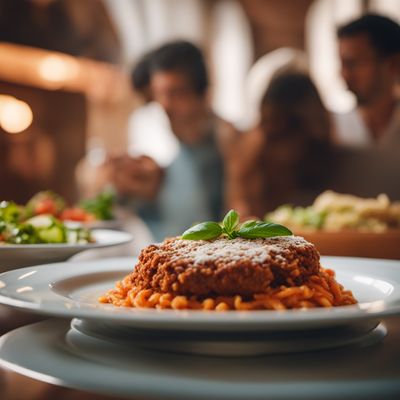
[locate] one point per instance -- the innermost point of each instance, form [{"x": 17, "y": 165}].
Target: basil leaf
[
  {"x": 204, "y": 231},
  {"x": 233, "y": 235},
  {"x": 231, "y": 221},
  {"x": 249, "y": 223},
  {"x": 263, "y": 230}
]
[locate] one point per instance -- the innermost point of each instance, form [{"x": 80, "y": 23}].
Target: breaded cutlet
[{"x": 225, "y": 267}]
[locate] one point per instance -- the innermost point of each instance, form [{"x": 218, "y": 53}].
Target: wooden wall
[
  {"x": 276, "y": 23},
  {"x": 43, "y": 156}
]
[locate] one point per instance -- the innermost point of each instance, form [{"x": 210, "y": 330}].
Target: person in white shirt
[
  {"x": 369, "y": 49},
  {"x": 169, "y": 190}
]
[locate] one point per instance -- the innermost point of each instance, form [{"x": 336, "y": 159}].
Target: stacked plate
[{"x": 184, "y": 354}]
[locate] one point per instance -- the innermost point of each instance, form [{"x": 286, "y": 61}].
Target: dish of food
[
  {"x": 22, "y": 255},
  {"x": 99, "y": 208},
  {"x": 344, "y": 225},
  {"x": 47, "y": 219},
  {"x": 88, "y": 212},
  {"x": 229, "y": 266},
  {"x": 258, "y": 273},
  {"x": 75, "y": 288},
  {"x": 240, "y": 274},
  {"x": 336, "y": 212},
  {"x": 41, "y": 229}
]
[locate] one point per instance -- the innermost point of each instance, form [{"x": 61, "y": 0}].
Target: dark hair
[
  {"x": 383, "y": 32},
  {"x": 140, "y": 77},
  {"x": 183, "y": 57},
  {"x": 289, "y": 89},
  {"x": 296, "y": 99}
]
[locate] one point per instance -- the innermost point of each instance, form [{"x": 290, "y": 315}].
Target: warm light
[
  {"x": 15, "y": 115},
  {"x": 58, "y": 69}
]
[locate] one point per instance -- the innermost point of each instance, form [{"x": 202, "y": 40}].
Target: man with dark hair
[
  {"x": 369, "y": 49},
  {"x": 140, "y": 77},
  {"x": 179, "y": 83},
  {"x": 183, "y": 57},
  {"x": 192, "y": 186}
]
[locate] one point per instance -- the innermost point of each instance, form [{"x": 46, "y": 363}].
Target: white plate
[
  {"x": 50, "y": 352},
  {"x": 21, "y": 255},
  {"x": 98, "y": 224},
  {"x": 231, "y": 343},
  {"x": 72, "y": 289}
]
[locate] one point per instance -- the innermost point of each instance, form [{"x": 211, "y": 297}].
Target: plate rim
[
  {"x": 53, "y": 246},
  {"x": 187, "y": 317}
]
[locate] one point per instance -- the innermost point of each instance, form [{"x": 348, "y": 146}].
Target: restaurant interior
[{"x": 125, "y": 124}]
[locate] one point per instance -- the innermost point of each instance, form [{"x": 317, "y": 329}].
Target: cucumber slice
[
  {"x": 78, "y": 235},
  {"x": 54, "y": 234},
  {"x": 72, "y": 236}
]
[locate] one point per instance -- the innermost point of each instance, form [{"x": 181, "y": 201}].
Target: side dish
[
  {"x": 99, "y": 208},
  {"x": 46, "y": 218},
  {"x": 16, "y": 228},
  {"x": 335, "y": 212}
]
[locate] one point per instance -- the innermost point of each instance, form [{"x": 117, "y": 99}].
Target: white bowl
[{"x": 22, "y": 255}]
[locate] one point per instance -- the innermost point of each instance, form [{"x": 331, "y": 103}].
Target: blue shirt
[{"x": 192, "y": 191}]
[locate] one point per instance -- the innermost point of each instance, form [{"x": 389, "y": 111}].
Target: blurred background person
[
  {"x": 287, "y": 157},
  {"x": 292, "y": 154},
  {"x": 369, "y": 49},
  {"x": 368, "y": 161},
  {"x": 192, "y": 185}
]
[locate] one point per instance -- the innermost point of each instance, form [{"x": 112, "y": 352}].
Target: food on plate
[
  {"x": 17, "y": 228},
  {"x": 334, "y": 212},
  {"x": 46, "y": 219},
  {"x": 99, "y": 208},
  {"x": 228, "y": 266},
  {"x": 45, "y": 202}
]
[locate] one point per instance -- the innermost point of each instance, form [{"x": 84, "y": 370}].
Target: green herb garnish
[
  {"x": 231, "y": 228},
  {"x": 204, "y": 231},
  {"x": 10, "y": 212},
  {"x": 230, "y": 223},
  {"x": 259, "y": 229},
  {"x": 101, "y": 206}
]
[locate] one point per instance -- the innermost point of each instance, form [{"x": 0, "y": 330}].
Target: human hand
[{"x": 139, "y": 177}]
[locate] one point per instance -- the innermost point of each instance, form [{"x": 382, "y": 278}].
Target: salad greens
[
  {"x": 307, "y": 217},
  {"x": 45, "y": 202},
  {"x": 16, "y": 228},
  {"x": 10, "y": 212},
  {"x": 231, "y": 229},
  {"x": 48, "y": 202},
  {"x": 101, "y": 206}
]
